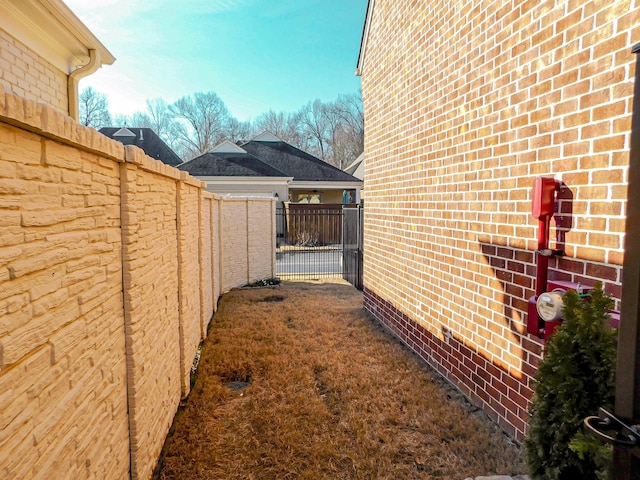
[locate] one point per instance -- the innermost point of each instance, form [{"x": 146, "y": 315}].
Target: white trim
[
  {"x": 359, "y": 158},
  {"x": 266, "y": 136},
  {"x": 230, "y": 197},
  {"x": 324, "y": 185},
  {"x": 365, "y": 36},
  {"x": 227, "y": 147},
  {"x": 51, "y": 29},
  {"x": 249, "y": 194},
  {"x": 124, "y": 132},
  {"x": 245, "y": 180}
]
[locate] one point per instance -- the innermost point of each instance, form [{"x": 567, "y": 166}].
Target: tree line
[{"x": 194, "y": 124}]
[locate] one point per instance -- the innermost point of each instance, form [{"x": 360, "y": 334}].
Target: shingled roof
[
  {"x": 147, "y": 140},
  {"x": 229, "y": 164},
  {"x": 296, "y": 163}
]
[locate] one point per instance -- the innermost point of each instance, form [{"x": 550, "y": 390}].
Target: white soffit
[
  {"x": 51, "y": 29},
  {"x": 244, "y": 180}
]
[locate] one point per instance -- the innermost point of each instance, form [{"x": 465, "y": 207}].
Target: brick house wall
[
  {"x": 465, "y": 104},
  {"x": 27, "y": 74}
]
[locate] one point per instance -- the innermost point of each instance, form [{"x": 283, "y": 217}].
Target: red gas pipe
[{"x": 543, "y": 206}]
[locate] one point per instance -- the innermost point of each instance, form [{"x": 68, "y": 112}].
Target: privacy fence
[{"x": 111, "y": 264}]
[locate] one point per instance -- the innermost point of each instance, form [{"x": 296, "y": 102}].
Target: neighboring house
[
  {"x": 268, "y": 166},
  {"x": 356, "y": 168},
  {"x": 314, "y": 181},
  {"x": 229, "y": 169},
  {"x": 45, "y": 50},
  {"x": 465, "y": 107},
  {"x": 147, "y": 140}
]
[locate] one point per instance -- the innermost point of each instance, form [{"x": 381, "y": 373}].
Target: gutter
[{"x": 74, "y": 78}]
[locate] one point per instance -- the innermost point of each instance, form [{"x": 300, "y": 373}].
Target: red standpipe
[
  {"x": 542, "y": 259},
  {"x": 542, "y": 207}
]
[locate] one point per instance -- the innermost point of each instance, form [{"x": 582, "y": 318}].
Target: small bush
[
  {"x": 306, "y": 238},
  {"x": 575, "y": 378}
]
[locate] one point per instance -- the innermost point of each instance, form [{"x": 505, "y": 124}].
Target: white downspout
[{"x": 74, "y": 78}]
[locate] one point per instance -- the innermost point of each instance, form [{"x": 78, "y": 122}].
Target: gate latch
[{"x": 608, "y": 428}]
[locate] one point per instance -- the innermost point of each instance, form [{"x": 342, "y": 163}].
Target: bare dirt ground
[{"x": 298, "y": 382}]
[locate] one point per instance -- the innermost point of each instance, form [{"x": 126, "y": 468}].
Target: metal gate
[
  {"x": 352, "y": 235},
  {"x": 309, "y": 241}
]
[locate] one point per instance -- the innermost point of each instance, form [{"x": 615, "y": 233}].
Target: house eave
[
  {"x": 245, "y": 180},
  {"x": 325, "y": 185},
  {"x": 53, "y": 31},
  {"x": 365, "y": 36}
]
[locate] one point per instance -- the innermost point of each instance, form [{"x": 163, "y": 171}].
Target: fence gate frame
[
  {"x": 353, "y": 244},
  {"x": 309, "y": 241}
]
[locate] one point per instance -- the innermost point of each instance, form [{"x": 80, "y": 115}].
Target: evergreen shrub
[{"x": 575, "y": 378}]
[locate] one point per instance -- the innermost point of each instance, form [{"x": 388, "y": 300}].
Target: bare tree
[
  {"x": 314, "y": 126},
  {"x": 160, "y": 116},
  {"x": 333, "y": 131},
  {"x": 194, "y": 124},
  {"x": 136, "y": 120},
  {"x": 283, "y": 125},
  {"x": 201, "y": 122},
  {"x": 272, "y": 122},
  {"x": 94, "y": 108},
  {"x": 237, "y": 131},
  {"x": 348, "y": 137}
]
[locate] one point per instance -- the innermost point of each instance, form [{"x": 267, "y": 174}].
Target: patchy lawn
[{"x": 297, "y": 381}]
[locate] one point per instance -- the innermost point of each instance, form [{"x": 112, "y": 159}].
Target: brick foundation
[{"x": 502, "y": 396}]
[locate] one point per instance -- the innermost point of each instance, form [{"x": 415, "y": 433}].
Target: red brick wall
[{"x": 465, "y": 104}]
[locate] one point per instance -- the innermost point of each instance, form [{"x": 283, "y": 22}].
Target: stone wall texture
[
  {"x": 25, "y": 73},
  {"x": 109, "y": 275},
  {"x": 464, "y": 106}
]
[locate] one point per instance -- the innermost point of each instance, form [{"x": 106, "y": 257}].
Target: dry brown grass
[{"x": 330, "y": 395}]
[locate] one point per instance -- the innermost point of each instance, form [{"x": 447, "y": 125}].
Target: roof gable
[
  {"x": 147, "y": 140},
  {"x": 357, "y": 167},
  {"x": 266, "y": 136},
  {"x": 123, "y": 132},
  {"x": 227, "y": 147}
]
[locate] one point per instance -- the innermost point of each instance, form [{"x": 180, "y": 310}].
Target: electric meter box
[
  {"x": 549, "y": 306},
  {"x": 556, "y": 285}
]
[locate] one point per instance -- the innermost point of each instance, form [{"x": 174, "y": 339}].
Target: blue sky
[{"x": 255, "y": 54}]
